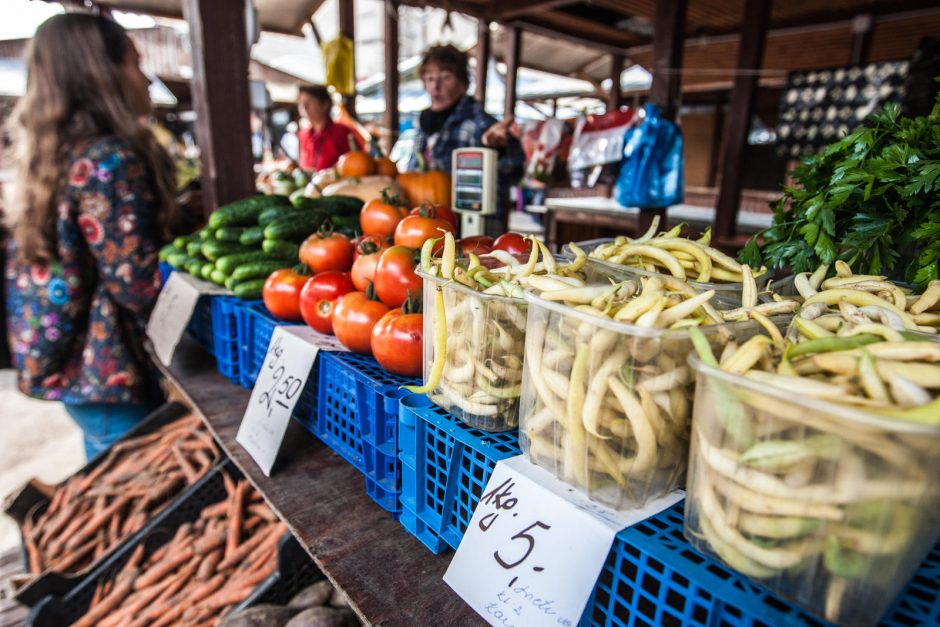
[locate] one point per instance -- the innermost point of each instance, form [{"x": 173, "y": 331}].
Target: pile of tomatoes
[{"x": 365, "y": 291}]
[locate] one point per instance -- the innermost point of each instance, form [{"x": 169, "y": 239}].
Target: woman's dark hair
[
  {"x": 317, "y": 92},
  {"x": 448, "y": 58}
]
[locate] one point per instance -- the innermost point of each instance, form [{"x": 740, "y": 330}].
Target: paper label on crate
[
  {"x": 535, "y": 546},
  {"x": 283, "y": 375},
  {"x": 171, "y": 314}
]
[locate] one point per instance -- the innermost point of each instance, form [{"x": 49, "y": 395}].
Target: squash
[
  {"x": 365, "y": 188},
  {"x": 386, "y": 167},
  {"x": 432, "y": 186}
]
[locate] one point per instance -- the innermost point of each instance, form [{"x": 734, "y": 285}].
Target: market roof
[{"x": 278, "y": 16}]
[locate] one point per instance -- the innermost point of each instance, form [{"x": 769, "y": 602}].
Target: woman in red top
[{"x": 322, "y": 143}]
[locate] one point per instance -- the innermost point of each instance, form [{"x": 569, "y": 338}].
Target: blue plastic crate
[
  {"x": 225, "y": 336},
  {"x": 165, "y": 271},
  {"x": 445, "y": 465},
  {"x": 357, "y": 416},
  {"x": 200, "y": 325}
]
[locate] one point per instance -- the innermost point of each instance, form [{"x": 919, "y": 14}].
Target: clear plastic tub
[
  {"x": 606, "y": 405},
  {"x": 482, "y": 378},
  {"x": 828, "y": 506},
  {"x": 727, "y": 295}
]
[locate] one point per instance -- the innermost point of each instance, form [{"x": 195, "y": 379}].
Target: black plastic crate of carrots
[{"x": 197, "y": 563}]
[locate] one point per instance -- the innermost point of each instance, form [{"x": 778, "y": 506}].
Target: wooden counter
[{"x": 388, "y": 575}]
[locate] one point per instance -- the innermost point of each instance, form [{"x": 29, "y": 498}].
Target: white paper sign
[
  {"x": 283, "y": 375},
  {"x": 535, "y": 547},
  {"x": 173, "y": 311}
]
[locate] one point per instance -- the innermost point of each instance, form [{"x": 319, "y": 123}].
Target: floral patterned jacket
[{"x": 77, "y": 325}]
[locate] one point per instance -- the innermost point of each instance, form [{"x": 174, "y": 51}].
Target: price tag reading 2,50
[
  {"x": 283, "y": 375},
  {"x": 529, "y": 556}
]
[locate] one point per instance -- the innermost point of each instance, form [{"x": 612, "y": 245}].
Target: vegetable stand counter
[{"x": 389, "y": 577}]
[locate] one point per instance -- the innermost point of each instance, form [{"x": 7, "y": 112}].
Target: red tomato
[
  {"x": 395, "y": 276},
  {"x": 327, "y": 251},
  {"x": 319, "y": 296},
  {"x": 380, "y": 216},
  {"x": 441, "y": 212},
  {"x": 362, "y": 243},
  {"x": 281, "y": 294},
  {"x": 415, "y": 229},
  {"x": 368, "y": 253},
  {"x": 353, "y": 318},
  {"x": 478, "y": 244},
  {"x": 397, "y": 342},
  {"x": 513, "y": 243}
]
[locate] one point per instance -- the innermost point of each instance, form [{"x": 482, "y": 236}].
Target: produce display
[
  {"x": 473, "y": 368},
  {"x": 208, "y": 567},
  {"x": 606, "y": 393},
  {"x": 702, "y": 265},
  {"x": 90, "y": 514},
  {"x": 869, "y": 199},
  {"x": 319, "y": 605},
  {"x": 247, "y": 240},
  {"x": 814, "y": 460}
]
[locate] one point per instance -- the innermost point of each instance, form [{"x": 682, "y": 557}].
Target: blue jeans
[{"x": 103, "y": 423}]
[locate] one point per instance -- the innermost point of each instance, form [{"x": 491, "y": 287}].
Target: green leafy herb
[{"x": 871, "y": 199}]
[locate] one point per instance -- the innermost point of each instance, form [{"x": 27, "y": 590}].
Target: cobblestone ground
[{"x": 37, "y": 439}]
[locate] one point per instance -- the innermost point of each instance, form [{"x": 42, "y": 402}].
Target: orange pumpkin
[
  {"x": 355, "y": 162},
  {"x": 432, "y": 186},
  {"x": 386, "y": 167}
]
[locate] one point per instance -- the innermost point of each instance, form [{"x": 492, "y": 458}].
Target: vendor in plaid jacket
[{"x": 456, "y": 120}]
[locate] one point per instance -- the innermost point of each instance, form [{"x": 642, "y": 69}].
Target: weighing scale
[{"x": 474, "y": 187}]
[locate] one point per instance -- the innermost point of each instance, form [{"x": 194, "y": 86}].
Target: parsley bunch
[{"x": 871, "y": 199}]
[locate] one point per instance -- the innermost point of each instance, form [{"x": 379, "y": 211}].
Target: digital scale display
[
  {"x": 473, "y": 180},
  {"x": 468, "y": 181}
]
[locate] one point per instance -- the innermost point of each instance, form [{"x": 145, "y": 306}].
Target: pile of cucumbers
[{"x": 247, "y": 240}]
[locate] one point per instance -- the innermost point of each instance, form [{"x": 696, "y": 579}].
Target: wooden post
[
  {"x": 483, "y": 61},
  {"x": 714, "y": 154},
  {"x": 750, "y": 58},
  {"x": 861, "y": 39},
  {"x": 220, "y": 96},
  {"x": 668, "y": 41},
  {"x": 347, "y": 26},
  {"x": 616, "y": 69},
  {"x": 391, "y": 70},
  {"x": 513, "y": 50}
]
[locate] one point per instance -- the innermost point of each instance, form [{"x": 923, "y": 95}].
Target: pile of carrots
[
  {"x": 206, "y": 569},
  {"x": 89, "y": 514}
]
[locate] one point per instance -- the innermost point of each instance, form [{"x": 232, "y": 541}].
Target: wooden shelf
[{"x": 388, "y": 575}]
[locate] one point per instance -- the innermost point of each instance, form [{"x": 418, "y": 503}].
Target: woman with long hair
[{"x": 94, "y": 201}]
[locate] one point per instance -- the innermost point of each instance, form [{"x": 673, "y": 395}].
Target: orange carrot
[
  {"x": 96, "y": 522},
  {"x": 209, "y": 564},
  {"x": 122, "y": 588},
  {"x": 235, "y": 518},
  {"x": 262, "y": 510},
  {"x": 184, "y": 464},
  {"x": 244, "y": 550},
  {"x": 213, "y": 511},
  {"x": 229, "y": 484},
  {"x": 210, "y": 542},
  {"x": 157, "y": 571},
  {"x": 136, "y": 557}
]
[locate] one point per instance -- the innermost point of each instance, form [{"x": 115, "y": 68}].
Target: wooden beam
[
  {"x": 391, "y": 70},
  {"x": 590, "y": 32},
  {"x": 513, "y": 51},
  {"x": 513, "y": 9},
  {"x": 220, "y": 94},
  {"x": 616, "y": 69},
  {"x": 750, "y": 57},
  {"x": 347, "y": 26},
  {"x": 539, "y": 28},
  {"x": 483, "y": 61},
  {"x": 668, "y": 43}
]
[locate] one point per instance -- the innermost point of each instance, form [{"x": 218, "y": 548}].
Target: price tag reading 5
[
  {"x": 529, "y": 556},
  {"x": 283, "y": 375}
]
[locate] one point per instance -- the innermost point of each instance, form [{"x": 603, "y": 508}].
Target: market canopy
[{"x": 278, "y": 16}]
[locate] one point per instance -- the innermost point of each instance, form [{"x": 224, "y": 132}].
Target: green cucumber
[
  {"x": 207, "y": 269},
  {"x": 229, "y": 233},
  {"x": 271, "y": 214},
  {"x": 347, "y": 225},
  {"x": 288, "y": 250},
  {"x": 251, "y": 236},
  {"x": 230, "y": 283},
  {"x": 194, "y": 249},
  {"x": 257, "y": 270},
  {"x": 191, "y": 263},
  {"x": 244, "y": 212},
  {"x": 218, "y": 277},
  {"x": 214, "y": 250},
  {"x": 294, "y": 227},
  {"x": 228, "y": 263},
  {"x": 339, "y": 205},
  {"x": 249, "y": 290},
  {"x": 206, "y": 234},
  {"x": 183, "y": 241},
  {"x": 168, "y": 250},
  {"x": 177, "y": 260}
]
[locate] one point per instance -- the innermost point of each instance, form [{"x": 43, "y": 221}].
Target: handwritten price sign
[
  {"x": 283, "y": 375},
  {"x": 534, "y": 548},
  {"x": 172, "y": 311}
]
